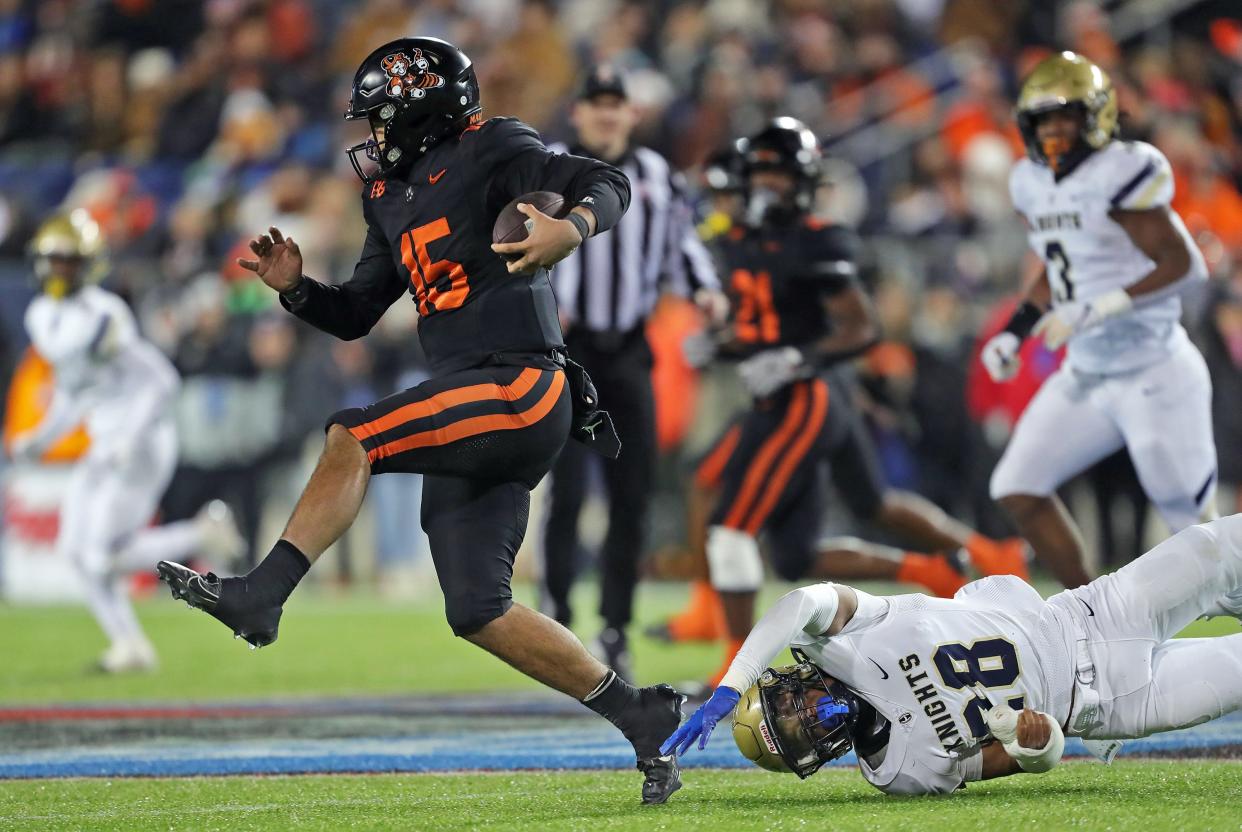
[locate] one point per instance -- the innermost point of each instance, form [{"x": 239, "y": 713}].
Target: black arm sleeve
[
  {"x": 350, "y": 310},
  {"x": 515, "y": 162}
]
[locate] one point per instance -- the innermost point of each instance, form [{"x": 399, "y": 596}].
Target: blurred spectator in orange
[
  {"x": 984, "y": 108},
  {"x": 1204, "y": 197}
]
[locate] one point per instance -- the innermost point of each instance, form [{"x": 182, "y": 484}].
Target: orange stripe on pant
[
  {"x": 473, "y": 426},
  {"x": 712, "y": 467},
  {"x": 797, "y": 452},
  {"x": 758, "y": 470},
  {"x": 516, "y": 389}
]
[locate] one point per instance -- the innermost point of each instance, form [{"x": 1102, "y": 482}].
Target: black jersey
[
  {"x": 776, "y": 277},
  {"x": 429, "y": 234}
]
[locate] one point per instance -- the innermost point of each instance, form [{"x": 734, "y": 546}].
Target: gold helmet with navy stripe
[
  {"x": 68, "y": 252},
  {"x": 1061, "y": 81},
  {"x": 795, "y": 719}
]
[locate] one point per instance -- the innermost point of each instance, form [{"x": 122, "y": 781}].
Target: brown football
[{"x": 511, "y": 225}]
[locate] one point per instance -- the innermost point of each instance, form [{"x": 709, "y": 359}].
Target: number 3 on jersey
[
  {"x": 1057, "y": 264},
  {"x": 438, "y": 285}
]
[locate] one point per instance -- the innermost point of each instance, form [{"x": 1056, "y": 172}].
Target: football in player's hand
[{"x": 512, "y": 226}]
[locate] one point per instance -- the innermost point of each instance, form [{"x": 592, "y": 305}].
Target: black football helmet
[
  {"x": 788, "y": 145},
  {"x": 418, "y": 91},
  {"x": 723, "y": 170}
]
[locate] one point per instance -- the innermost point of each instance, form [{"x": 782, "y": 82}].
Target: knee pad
[
  {"x": 467, "y": 615},
  {"x": 733, "y": 560}
]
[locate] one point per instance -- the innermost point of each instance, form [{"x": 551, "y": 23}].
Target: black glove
[{"x": 590, "y": 425}]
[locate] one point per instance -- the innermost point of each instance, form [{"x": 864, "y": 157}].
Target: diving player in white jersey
[
  {"x": 933, "y": 693},
  {"x": 122, "y": 387},
  {"x": 1115, "y": 261}
]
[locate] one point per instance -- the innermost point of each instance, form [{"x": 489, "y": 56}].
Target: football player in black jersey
[
  {"x": 486, "y": 428},
  {"x": 798, "y": 311}
]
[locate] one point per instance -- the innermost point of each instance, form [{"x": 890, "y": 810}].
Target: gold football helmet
[
  {"x": 1067, "y": 80},
  {"x": 68, "y": 252},
  {"x": 795, "y": 719}
]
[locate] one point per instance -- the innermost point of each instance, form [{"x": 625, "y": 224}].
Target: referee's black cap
[{"x": 603, "y": 79}]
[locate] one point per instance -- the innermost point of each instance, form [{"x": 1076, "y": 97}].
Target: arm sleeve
[
  {"x": 160, "y": 383},
  {"x": 833, "y": 260},
  {"x": 515, "y": 161},
  {"x": 350, "y": 310},
  {"x": 63, "y": 414},
  {"x": 807, "y": 611}
]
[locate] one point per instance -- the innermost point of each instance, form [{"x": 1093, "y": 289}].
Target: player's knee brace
[
  {"x": 733, "y": 560},
  {"x": 468, "y": 614}
]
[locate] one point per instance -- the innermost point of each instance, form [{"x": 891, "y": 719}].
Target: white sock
[
  {"x": 110, "y": 604},
  {"x": 173, "y": 541}
]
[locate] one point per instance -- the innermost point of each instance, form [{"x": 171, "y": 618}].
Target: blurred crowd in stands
[{"x": 184, "y": 126}]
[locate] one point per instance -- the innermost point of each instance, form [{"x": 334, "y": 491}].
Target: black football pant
[
  {"x": 482, "y": 438},
  {"x": 769, "y": 467},
  {"x": 622, "y": 375}
]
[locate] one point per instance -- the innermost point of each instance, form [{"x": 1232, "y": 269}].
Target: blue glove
[{"x": 702, "y": 722}]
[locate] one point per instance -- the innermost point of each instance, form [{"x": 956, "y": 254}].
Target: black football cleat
[
  {"x": 224, "y": 599},
  {"x": 662, "y": 777},
  {"x": 660, "y": 716}
]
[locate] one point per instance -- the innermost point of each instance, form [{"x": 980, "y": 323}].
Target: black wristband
[
  {"x": 299, "y": 293},
  {"x": 580, "y": 223},
  {"x": 1024, "y": 319}
]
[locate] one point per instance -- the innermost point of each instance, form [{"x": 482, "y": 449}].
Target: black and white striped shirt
[{"x": 613, "y": 280}]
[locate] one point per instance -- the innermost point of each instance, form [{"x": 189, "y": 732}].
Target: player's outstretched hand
[
  {"x": 699, "y": 348},
  {"x": 548, "y": 242},
  {"x": 1067, "y": 319},
  {"x": 280, "y": 260},
  {"x": 766, "y": 372},
  {"x": 1000, "y": 356},
  {"x": 702, "y": 722}
]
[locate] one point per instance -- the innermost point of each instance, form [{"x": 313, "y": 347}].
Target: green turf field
[
  {"x": 1130, "y": 795},
  {"x": 328, "y": 645}
]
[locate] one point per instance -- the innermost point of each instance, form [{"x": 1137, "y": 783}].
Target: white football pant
[
  {"x": 1148, "y": 681},
  {"x": 1162, "y": 414}
]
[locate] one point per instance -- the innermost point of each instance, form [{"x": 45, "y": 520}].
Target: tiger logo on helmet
[{"x": 410, "y": 78}]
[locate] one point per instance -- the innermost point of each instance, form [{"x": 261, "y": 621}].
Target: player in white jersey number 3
[
  {"x": 1116, "y": 259},
  {"x": 122, "y": 388},
  {"x": 932, "y": 693}
]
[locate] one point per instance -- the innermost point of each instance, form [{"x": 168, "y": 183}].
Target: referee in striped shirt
[{"x": 605, "y": 290}]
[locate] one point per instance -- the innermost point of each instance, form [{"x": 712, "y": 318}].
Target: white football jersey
[
  {"x": 1087, "y": 254},
  {"x": 917, "y": 660},
  {"x": 101, "y": 363}
]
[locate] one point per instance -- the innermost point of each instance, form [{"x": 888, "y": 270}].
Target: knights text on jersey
[
  {"x": 1087, "y": 254},
  {"x": 919, "y": 661},
  {"x": 429, "y": 235},
  {"x": 776, "y": 278}
]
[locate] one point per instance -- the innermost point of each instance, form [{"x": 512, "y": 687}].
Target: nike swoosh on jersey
[
  {"x": 1090, "y": 611},
  {"x": 877, "y": 667},
  {"x": 435, "y": 177}
]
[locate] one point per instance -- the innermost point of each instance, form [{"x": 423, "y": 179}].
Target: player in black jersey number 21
[{"x": 487, "y": 427}]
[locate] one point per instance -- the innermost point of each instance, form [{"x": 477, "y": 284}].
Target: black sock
[
  {"x": 612, "y": 698},
  {"x": 273, "y": 580}
]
